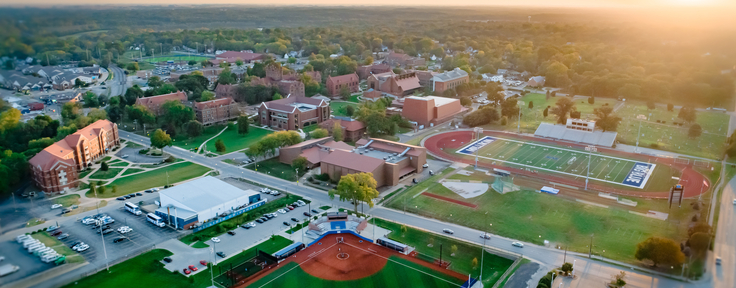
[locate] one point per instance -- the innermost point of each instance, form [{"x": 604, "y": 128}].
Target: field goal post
[
  {"x": 339, "y": 240},
  {"x": 701, "y": 163},
  {"x": 679, "y": 160}
]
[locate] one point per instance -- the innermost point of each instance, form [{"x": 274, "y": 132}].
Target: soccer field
[{"x": 536, "y": 158}]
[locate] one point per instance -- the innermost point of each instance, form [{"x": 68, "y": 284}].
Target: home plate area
[{"x": 466, "y": 190}]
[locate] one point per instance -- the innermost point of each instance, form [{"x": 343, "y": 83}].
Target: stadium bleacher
[{"x": 560, "y": 132}]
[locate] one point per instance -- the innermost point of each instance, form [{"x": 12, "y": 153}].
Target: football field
[{"x": 536, "y": 158}]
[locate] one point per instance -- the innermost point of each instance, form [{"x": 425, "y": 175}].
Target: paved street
[{"x": 725, "y": 246}]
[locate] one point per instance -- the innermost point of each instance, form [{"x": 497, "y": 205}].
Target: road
[
  {"x": 117, "y": 85},
  {"x": 590, "y": 271},
  {"x": 725, "y": 246}
]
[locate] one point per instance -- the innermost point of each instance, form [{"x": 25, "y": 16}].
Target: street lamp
[
  {"x": 590, "y": 149},
  {"x": 518, "y": 119}
]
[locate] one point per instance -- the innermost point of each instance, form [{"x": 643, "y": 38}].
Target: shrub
[{"x": 171, "y": 159}]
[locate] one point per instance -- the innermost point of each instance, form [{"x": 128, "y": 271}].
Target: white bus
[
  {"x": 132, "y": 208},
  {"x": 155, "y": 220}
]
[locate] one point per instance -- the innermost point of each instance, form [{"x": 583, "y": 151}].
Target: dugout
[
  {"x": 388, "y": 243},
  {"x": 337, "y": 215},
  {"x": 550, "y": 190},
  {"x": 289, "y": 250}
]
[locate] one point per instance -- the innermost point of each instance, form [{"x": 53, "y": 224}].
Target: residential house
[{"x": 536, "y": 81}]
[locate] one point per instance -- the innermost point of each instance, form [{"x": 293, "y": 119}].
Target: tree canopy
[{"x": 357, "y": 187}]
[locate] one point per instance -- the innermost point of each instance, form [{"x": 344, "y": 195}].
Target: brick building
[
  {"x": 216, "y": 111},
  {"x": 335, "y": 84},
  {"x": 245, "y": 56},
  {"x": 449, "y": 80},
  {"x": 293, "y": 112},
  {"x": 399, "y": 85},
  {"x": 55, "y": 168},
  {"x": 154, "y": 103},
  {"x": 352, "y": 130},
  {"x": 367, "y": 70},
  {"x": 225, "y": 91},
  {"x": 430, "y": 109},
  {"x": 288, "y": 84},
  {"x": 400, "y": 59}
]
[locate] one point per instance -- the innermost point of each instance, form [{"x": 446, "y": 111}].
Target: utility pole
[{"x": 590, "y": 149}]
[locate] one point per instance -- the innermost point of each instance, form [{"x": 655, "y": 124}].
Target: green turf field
[
  {"x": 176, "y": 58},
  {"x": 397, "y": 273},
  {"x": 567, "y": 161}
]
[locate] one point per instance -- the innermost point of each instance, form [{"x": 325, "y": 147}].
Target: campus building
[
  {"x": 389, "y": 161},
  {"x": 337, "y": 83},
  {"x": 197, "y": 201},
  {"x": 287, "y": 84},
  {"x": 216, "y": 111},
  {"x": 352, "y": 130},
  {"x": 55, "y": 168},
  {"x": 154, "y": 103},
  {"x": 400, "y": 59},
  {"x": 245, "y": 56},
  {"x": 398, "y": 85},
  {"x": 368, "y": 70},
  {"x": 293, "y": 112},
  {"x": 225, "y": 91},
  {"x": 430, "y": 110},
  {"x": 448, "y": 80}
]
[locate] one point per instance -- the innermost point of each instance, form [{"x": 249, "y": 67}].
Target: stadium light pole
[
  {"x": 640, "y": 117},
  {"x": 518, "y": 119},
  {"x": 590, "y": 149}
]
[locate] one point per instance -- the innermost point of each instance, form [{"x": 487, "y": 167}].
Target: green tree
[
  {"x": 357, "y": 187},
  {"x": 659, "y": 251},
  {"x": 687, "y": 114},
  {"x": 630, "y": 91},
  {"x": 155, "y": 82},
  {"x": 10, "y": 119},
  {"x": 92, "y": 188},
  {"x": 291, "y": 60},
  {"x": 101, "y": 189},
  {"x": 160, "y": 139},
  {"x": 606, "y": 120},
  {"x": 238, "y": 62},
  {"x": 226, "y": 77},
  {"x": 194, "y": 128},
  {"x": 474, "y": 263},
  {"x": 71, "y": 110},
  {"x": 368, "y": 60},
  {"x": 531, "y": 105},
  {"x": 141, "y": 114},
  {"x": 132, "y": 94},
  {"x": 465, "y": 101},
  {"x": 699, "y": 242},
  {"x": 545, "y": 113},
  {"x": 91, "y": 99},
  {"x": 591, "y": 100},
  {"x": 694, "y": 131},
  {"x": 277, "y": 96},
  {"x": 132, "y": 66},
  {"x": 300, "y": 163},
  {"x": 176, "y": 114},
  {"x": 350, "y": 110},
  {"x": 114, "y": 189},
  {"x": 337, "y": 132},
  {"x": 220, "y": 146},
  {"x": 510, "y": 108},
  {"x": 482, "y": 116},
  {"x": 403, "y": 230},
  {"x": 619, "y": 279},
  {"x": 670, "y": 107},
  {"x": 562, "y": 108},
  {"x": 567, "y": 268},
  {"x": 453, "y": 249},
  {"x": 243, "y": 124},
  {"x": 104, "y": 166},
  {"x": 651, "y": 105},
  {"x": 207, "y": 96},
  {"x": 95, "y": 114},
  {"x": 319, "y": 133},
  {"x": 344, "y": 93}
]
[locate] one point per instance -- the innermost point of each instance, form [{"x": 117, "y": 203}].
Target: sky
[{"x": 537, "y": 3}]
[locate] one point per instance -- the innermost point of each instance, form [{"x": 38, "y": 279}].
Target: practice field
[
  {"x": 542, "y": 158},
  {"x": 355, "y": 264},
  {"x": 176, "y": 58}
]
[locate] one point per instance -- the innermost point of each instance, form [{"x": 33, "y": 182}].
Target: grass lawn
[
  {"x": 131, "y": 171},
  {"x": 130, "y": 144},
  {"x": 354, "y": 98},
  {"x": 310, "y": 128},
  {"x": 525, "y": 215},
  {"x": 340, "y": 108},
  {"x": 185, "y": 142},
  {"x": 494, "y": 266},
  {"x": 110, "y": 173},
  {"x": 52, "y": 242},
  {"x": 84, "y": 173},
  {"x": 177, "y": 172},
  {"x": 397, "y": 273},
  {"x": 67, "y": 200},
  {"x": 34, "y": 222},
  {"x": 176, "y": 58},
  {"x": 200, "y": 244},
  {"x": 234, "y": 141},
  {"x": 275, "y": 168}
]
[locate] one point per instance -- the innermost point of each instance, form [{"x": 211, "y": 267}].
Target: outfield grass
[
  {"x": 156, "y": 178},
  {"x": 275, "y": 168},
  {"x": 397, "y": 273},
  {"x": 234, "y": 141},
  {"x": 527, "y": 215},
  {"x": 571, "y": 163},
  {"x": 110, "y": 173},
  {"x": 493, "y": 266},
  {"x": 340, "y": 108}
]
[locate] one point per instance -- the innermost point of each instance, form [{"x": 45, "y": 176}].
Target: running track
[{"x": 691, "y": 179}]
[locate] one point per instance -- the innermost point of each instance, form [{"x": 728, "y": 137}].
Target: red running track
[{"x": 691, "y": 179}]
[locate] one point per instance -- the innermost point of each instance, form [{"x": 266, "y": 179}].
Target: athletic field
[
  {"x": 537, "y": 158},
  {"x": 176, "y": 58}
]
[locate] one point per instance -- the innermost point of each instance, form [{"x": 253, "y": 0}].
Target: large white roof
[{"x": 204, "y": 193}]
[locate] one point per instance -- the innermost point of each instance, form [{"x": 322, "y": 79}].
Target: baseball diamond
[{"x": 537, "y": 157}]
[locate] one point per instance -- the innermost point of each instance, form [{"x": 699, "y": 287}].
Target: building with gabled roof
[
  {"x": 54, "y": 169},
  {"x": 337, "y": 83},
  {"x": 293, "y": 112},
  {"x": 398, "y": 85},
  {"x": 313, "y": 150},
  {"x": 367, "y": 70},
  {"x": 449, "y": 80},
  {"x": 352, "y": 130},
  {"x": 216, "y": 111},
  {"x": 154, "y": 103}
]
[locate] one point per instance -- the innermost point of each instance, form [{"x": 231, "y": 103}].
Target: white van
[
  {"x": 21, "y": 238},
  {"x": 32, "y": 245},
  {"x": 36, "y": 248},
  {"x": 30, "y": 242},
  {"x": 43, "y": 251},
  {"x": 49, "y": 258}
]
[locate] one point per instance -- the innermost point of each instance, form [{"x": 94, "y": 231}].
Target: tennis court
[{"x": 535, "y": 158}]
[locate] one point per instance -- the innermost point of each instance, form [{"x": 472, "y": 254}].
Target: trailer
[{"x": 550, "y": 190}]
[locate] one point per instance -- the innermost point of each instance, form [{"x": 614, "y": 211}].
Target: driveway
[{"x": 134, "y": 157}]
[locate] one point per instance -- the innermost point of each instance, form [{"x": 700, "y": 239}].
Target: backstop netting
[
  {"x": 238, "y": 273},
  {"x": 504, "y": 185}
]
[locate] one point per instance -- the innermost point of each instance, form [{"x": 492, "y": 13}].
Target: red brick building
[
  {"x": 400, "y": 59},
  {"x": 398, "y": 85},
  {"x": 54, "y": 169},
  {"x": 154, "y": 103},
  {"x": 367, "y": 70},
  {"x": 430, "y": 109},
  {"x": 293, "y": 112},
  {"x": 245, "y": 56},
  {"x": 225, "y": 91},
  {"x": 449, "y": 80},
  {"x": 216, "y": 111},
  {"x": 335, "y": 84},
  {"x": 352, "y": 130}
]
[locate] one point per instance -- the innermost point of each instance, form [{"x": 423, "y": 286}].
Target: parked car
[
  {"x": 131, "y": 195},
  {"x": 55, "y": 206},
  {"x": 215, "y": 239},
  {"x": 155, "y": 189},
  {"x": 287, "y": 223},
  {"x": 431, "y": 172},
  {"x": 187, "y": 272},
  {"x": 107, "y": 231},
  {"x": 124, "y": 156},
  {"x": 231, "y": 233},
  {"x": 75, "y": 244},
  {"x": 290, "y": 208},
  {"x": 246, "y": 226},
  {"x": 485, "y": 236},
  {"x": 252, "y": 224},
  {"x": 517, "y": 244},
  {"x": 139, "y": 194},
  {"x": 259, "y": 220},
  {"x": 63, "y": 236},
  {"x": 315, "y": 211},
  {"x": 121, "y": 239},
  {"x": 66, "y": 210},
  {"x": 294, "y": 219},
  {"x": 127, "y": 196},
  {"x": 269, "y": 215},
  {"x": 282, "y": 211},
  {"x": 56, "y": 233},
  {"x": 88, "y": 221},
  {"x": 167, "y": 259},
  {"x": 148, "y": 191},
  {"x": 425, "y": 165},
  {"x": 221, "y": 254},
  {"x": 307, "y": 214},
  {"x": 121, "y": 198},
  {"x": 448, "y": 231},
  {"x": 52, "y": 228},
  {"x": 191, "y": 267}
]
